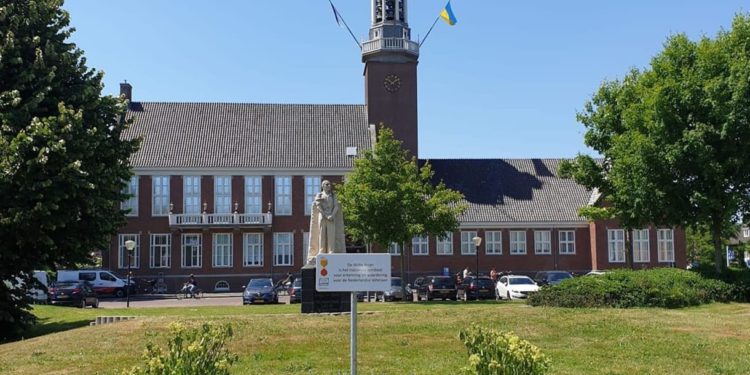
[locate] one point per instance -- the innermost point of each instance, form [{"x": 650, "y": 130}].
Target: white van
[
  {"x": 37, "y": 294},
  {"x": 104, "y": 282}
]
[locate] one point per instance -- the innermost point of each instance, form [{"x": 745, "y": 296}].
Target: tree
[
  {"x": 675, "y": 137},
  {"x": 63, "y": 165},
  {"x": 388, "y": 198}
]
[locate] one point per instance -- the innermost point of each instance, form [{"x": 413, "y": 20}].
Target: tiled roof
[
  {"x": 512, "y": 190},
  {"x": 234, "y": 135}
]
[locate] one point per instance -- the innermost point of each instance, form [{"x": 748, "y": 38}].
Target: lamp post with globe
[
  {"x": 477, "y": 241},
  {"x": 129, "y": 246}
]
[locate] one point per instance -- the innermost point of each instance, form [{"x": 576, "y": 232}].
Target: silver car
[{"x": 394, "y": 293}]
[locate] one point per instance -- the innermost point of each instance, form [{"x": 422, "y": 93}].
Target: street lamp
[
  {"x": 129, "y": 246},
  {"x": 477, "y": 241}
]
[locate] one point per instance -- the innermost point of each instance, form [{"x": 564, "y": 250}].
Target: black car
[
  {"x": 75, "y": 293},
  {"x": 259, "y": 290},
  {"x": 432, "y": 287},
  {"x": 551, "y": 277},
  {"x": 480, "y": 287}
]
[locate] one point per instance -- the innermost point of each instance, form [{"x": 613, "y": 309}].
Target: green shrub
[
  {"x": 190, "y": 351},
  {"x": 659, "y": 287},
  {"x": 496, "y": 352},
  {"x": 738, "y": 278}
]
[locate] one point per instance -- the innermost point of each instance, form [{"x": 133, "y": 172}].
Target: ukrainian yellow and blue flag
[{"x": 447, "y": 14}]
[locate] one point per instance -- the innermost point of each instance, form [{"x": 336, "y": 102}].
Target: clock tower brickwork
[{"x": 390, "y": 58}]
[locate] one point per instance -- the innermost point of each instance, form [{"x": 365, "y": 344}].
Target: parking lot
[{"x": 209, "y": 299}]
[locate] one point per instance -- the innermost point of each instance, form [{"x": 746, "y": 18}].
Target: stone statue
[{"x": 326, "y": 224}]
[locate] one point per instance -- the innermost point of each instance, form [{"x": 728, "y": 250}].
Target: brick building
[{"x": 223, "y": 190}]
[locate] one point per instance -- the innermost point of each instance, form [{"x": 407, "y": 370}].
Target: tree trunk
[
  {"x": 403, "y": 276},
  {"x": 629, "y": 248},
  {"x": 716, "y": 238}
]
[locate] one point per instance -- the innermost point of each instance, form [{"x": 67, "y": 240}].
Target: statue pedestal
[{"x": 321, "y": 302}]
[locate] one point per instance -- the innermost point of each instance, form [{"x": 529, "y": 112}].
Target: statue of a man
[{"x": 326, "y": 224}]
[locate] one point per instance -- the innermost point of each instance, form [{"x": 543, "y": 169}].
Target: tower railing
[{"x": 374, "y": 45}]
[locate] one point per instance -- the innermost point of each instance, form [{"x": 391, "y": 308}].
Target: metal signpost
[{"x": 353, "y": 273}]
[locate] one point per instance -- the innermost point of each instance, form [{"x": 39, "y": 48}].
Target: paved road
[{"x": 222, "y": 299}]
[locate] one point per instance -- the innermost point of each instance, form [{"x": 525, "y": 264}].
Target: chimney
[{"x": 126, "y": 90}]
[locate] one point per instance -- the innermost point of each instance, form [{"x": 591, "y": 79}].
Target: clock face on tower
[{"x": 392, "y": 83}]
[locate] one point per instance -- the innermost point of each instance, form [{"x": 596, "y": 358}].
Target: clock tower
[{"x": 390, "y": 58}]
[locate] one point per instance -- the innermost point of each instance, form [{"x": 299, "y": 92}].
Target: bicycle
[{"x": 185, "y": 293}]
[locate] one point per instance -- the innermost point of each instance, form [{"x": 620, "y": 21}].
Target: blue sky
[{"x": 505, "y": 82}]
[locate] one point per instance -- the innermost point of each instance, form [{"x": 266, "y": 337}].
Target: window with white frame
[
  {"x": 665, "y": 244},
  {"x": 160, "y": 251},
  {"x": 192, "y": 250},
  {"x": 305, "y": 246},
  {"x": 135, "y": 255},
  {"x": 191, "y": 194},
  {"x": 283, "y": 248},
  {"x": 467, "y": 243},
  {"x": 312, "y": 187},
  {"x": 616, "y": 245},
  {"x": 517, "y": 242},
  {"x": 420, "y": 245},
  {"x": 542, "y": 242},
  {"x": 567, "y": 241},
  {"x": 745, "y": 232},
  {"x": 222, "y": 254},
  {"x": 283, "y": 194},
  {"x": 394, "y": 249},
  {"x": 222, "y": 194},
  {"x": 252, "y": 251},
  {"x": 131, "y": 203},
  {"x": 493, "y": 242},
  {"x": 160, "y": 195},
  {"x": 445, "y": 245},
  {"x": 253, "y": 195},
  {"x": 640, "y": 246}
]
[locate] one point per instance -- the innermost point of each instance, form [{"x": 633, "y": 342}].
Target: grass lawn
[{"x": 400, "y": 338}]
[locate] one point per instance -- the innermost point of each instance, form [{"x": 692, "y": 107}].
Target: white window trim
[
  {"x": 215, "y": 250},
  {"x": 539, "y": 242},
  {"x": 155, "y": 196},
  {"x": 492, "y": 245},
  {"x": 619, "y": 245},
  {"x": 156, "y": 251},
  {"x": 131, "y": 203},
  {"x": 257, "y": 249},
  {"x": 394, "y": 249},
  {"x": 312, "y": 187},
  {"x": 251, "y": 184},
  {"x": 417, "y": 243},
  {"x": 662, "y": 241},
  {"x": 283, "y": 206},
  {"x": 515, "y": 249},
  {"x": 219, "y": 195},
  {"x": 564, "y": 242},
  {"x": 445, "y": 245},
  {"x": 184, "y": 247},
  {"x": 135, "y": 261},
  {"x": 188, "y": 207},
  {"x": 638, "y": 242},
  {"x": 467, "y": 242},
  {"x": 288, "y": 248}
]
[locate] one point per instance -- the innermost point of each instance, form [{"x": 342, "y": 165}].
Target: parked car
[
  {"x": 103, "y": 281},
  {"x": 395, "y": 292},
  {"x": 432, "y": 287},
  {"x": 295, "y": 292},
  {"x": 515, "y": 286},
  {"x": 74, "y": 292},
  {"x": 478, "y": 287},
  {"x": 596, "y": 273},
  {"x": 543, "y": 278},
  {"x": 259, "y": 290}
]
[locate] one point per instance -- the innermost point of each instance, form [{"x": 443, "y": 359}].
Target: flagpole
[
  {"x": 339, "y": 16},
  {"x": 428, "y": 32}
]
